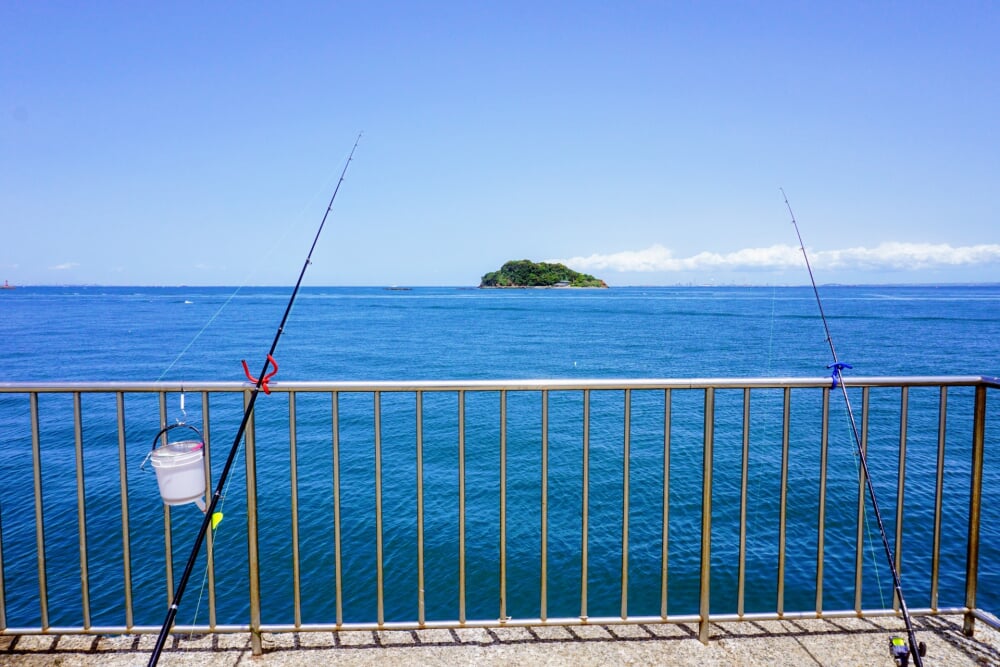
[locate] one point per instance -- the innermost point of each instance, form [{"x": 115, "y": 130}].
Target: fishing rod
[
  {"x": 899, "y": 649},
  {"x": 260, "y": 384}
]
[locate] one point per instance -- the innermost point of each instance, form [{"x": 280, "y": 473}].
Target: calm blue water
[{"x": 188, "y": 334}]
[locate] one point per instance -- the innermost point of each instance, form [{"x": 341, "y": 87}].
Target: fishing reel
[{"x": 900, "y": 650}]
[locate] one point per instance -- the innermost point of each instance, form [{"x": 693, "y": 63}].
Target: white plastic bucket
[{"x": 180, "y": 469}]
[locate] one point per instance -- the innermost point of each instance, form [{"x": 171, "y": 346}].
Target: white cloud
[
  {"x": 65, "y": 266},
  {"x": 895, "y": 256}
]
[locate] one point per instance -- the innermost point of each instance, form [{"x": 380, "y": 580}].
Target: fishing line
[
  {"x": 204, "y": 579},
  {"x": 272, "y": 248},
  {"x": 868, "y": 533},
  {"x": 260, "y": 384},
  {"x": 898, "y": 647},
  {"x": 754, "y": 481},
  {"x": 770, "y": 334}
]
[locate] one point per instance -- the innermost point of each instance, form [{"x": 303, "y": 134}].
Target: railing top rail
[{"x": 505, "y": 385}]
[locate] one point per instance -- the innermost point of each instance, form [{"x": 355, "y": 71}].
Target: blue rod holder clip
[{"x": 837, "y": 368}]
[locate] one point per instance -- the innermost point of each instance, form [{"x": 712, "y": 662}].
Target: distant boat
[{"x": 7, "y": 285}]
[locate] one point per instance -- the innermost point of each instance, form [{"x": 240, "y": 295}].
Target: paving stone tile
[
  {"x": 76, "y": 642},
  {"x": 356, "y": 638},
  {"x": 553, "y": 632},
  {"x": 591, "y": 632},
  {"x": 627, "y": 631},
  {"x": 316, "y": 639},
  {"x": 395, "y": 637},
  {"x": 36, "y": 642},
  {"x": 435, "y": 636},
  {"x": 473, "y": 636},
  {"x": 513, "y": 634}
]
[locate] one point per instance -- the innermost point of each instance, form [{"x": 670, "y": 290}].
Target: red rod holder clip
[{"x": 267, "y": 378}]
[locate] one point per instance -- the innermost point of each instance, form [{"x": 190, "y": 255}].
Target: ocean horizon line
[{"x": 471, "y": 286}]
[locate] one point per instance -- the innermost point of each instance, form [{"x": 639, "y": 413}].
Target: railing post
[
  {"x": 81, "y": 509},
  {"x": 741, "y": 575},
  {"x": 585, "y": 506},
  {"x": 379, "y": 540},
  {"x": 938, "y": 497},
  {"x": 36, "y": 469},
  {"x": 824, "y": 449},
  {"x": 461, "y": 506},
  {"x": 975, "y": 499},
  {"x": 625, "y": 502},
  {"x": 293, "y": 476},
  {"x": 503, "y": 506},
  {"x": 904, "y": 402},
  {"x": 168, "y": 534},
  {"x": 3, "y": 603},
  {"x": 786, "y": 427},
  {"x": 421, "y": 601},
  {"x": 337, "y": 554},
  {"x": 665, "y": 530},
  {"x": 859, "y": 549},
  {"x": 544, "y": 498},
  {"x": 706, "y": 517},
  {"x": 253, "y": 548},
  {"x": 125, "y": 530},
  {"x": 206, "y": 424}
]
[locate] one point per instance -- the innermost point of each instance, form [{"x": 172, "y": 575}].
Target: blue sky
[{"x": 198, "y": 143}]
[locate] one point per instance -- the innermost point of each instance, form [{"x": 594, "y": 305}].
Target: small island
[{"x": 525, "y": 273}]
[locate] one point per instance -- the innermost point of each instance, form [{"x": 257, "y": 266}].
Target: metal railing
[{"x": 545, "y": 498}]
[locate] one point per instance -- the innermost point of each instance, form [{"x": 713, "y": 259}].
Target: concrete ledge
[{"x": 853, "y": 641}]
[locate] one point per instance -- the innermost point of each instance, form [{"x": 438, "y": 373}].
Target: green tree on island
[{"x": 525, "y": 273}]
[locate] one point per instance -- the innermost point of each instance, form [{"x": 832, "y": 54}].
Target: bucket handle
[
  {"x": 177, "y": 425},
  {"x": 163, "y": 430}
]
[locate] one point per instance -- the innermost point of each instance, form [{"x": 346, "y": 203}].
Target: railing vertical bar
[
  {"x": 123, "y": 496},
  {"x": 938, "y": 496},
  {"x": 744, "y": 483},
  {"x": 904, "y": 407},
  {"x": 3, "y": 588},
  {"x": 860, "y": 546},
  {"x": 824, "y": 450},
  {"x": 379, "y": 561},
  {"x": 503, "y": 506},
  {"x": 206, "y": 423},
  {"x": 706, "y": 517},
  {"x": 253, "y": 546},
  {"x": 786, "y": 421},
  {"x": 293, "y": 458},
  {"x": 168, "y": 537},
  {"x": 81, "y": 510},
  {"x": 665, "y": 529},
  {"x": 337, "y": 561},
  {"x": 585, "y": 504},
  {"x": 975, "y": 508},
  {"x": 625, "y": 498},
  {"x": 461, "y": 506},
  {"x": 36, "y": 466},
  {"x": 421, "y": 617},
  {"x": 544, "y": 546}
]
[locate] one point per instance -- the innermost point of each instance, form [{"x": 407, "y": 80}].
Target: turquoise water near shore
[{"x": 190, "y": 333}]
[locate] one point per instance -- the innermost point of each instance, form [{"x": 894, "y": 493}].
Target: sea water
[{"x": 193, "y": 334}]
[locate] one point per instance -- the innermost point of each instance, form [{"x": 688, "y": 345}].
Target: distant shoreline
[{"x": 540, "y": 287}]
